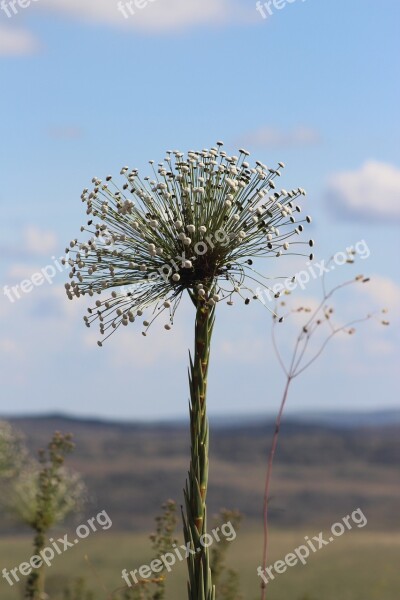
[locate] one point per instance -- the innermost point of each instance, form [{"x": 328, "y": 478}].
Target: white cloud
[
  {"x": 39, "y": 242},
  {"x": 274, "y": 137},
  {"x": 5, "y": 306},
  {"x": 156, "y": 15},
  {"x": 383, "y": 292},
  {"x": 9, "y": 347},
  {"x": 31, "y": 243},
  {"x": 371, "y": 192},
  {"x": 68, "y": 132},
  {"x": 20, "y": 271},
  {"x": 16, "y": 42}
]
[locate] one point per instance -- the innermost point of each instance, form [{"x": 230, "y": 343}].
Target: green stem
[
  {"x": 195, "y": 522},
  {"x": 34, "y": 587}
]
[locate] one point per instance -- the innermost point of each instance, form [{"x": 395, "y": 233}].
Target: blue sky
[{"x": 86, "y": 91}]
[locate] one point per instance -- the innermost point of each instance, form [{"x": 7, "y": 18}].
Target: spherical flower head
[{"x": 196, "y": 225}]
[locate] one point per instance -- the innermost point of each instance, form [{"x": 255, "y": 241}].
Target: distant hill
[
  {"x": 347, "y": 419},
  {"x": 326, "y": 465}
]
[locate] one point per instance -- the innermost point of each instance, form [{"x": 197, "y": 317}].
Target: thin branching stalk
[
  {"x": 268, "y": 478},
  {"x": 299, "y": 362}
]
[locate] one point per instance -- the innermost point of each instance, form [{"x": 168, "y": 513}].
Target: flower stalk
[
  {"x": 203, "y": 223},
  {"x": 195, "y": 521}
]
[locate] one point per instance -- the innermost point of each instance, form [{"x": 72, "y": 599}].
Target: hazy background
[{"x": 85, "y": 91}]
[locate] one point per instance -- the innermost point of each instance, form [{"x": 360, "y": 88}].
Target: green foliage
[
  {"x": 162, "y": 541},
  {"x": 49, "y": 505},
  {"x": 225, "y": 579},
  {"x": 39, "y": 493},
  {"x": 13, "y": 454},
  {"x": 77, "y": 591},
  {"x": 30, "y": 487}
]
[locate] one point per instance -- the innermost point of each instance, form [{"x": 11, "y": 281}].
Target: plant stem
[
  {"x": 268, "y": 481},
  {"x": 200, "y": 585},
  {"x": 34, "y": 589}
]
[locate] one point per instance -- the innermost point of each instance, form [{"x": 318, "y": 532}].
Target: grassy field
[
  {"x": 360, "y": 565},
  {"x": 321, "y": 474}
]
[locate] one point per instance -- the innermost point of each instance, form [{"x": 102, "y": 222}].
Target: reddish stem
[{"x": 268, "y": 480}]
